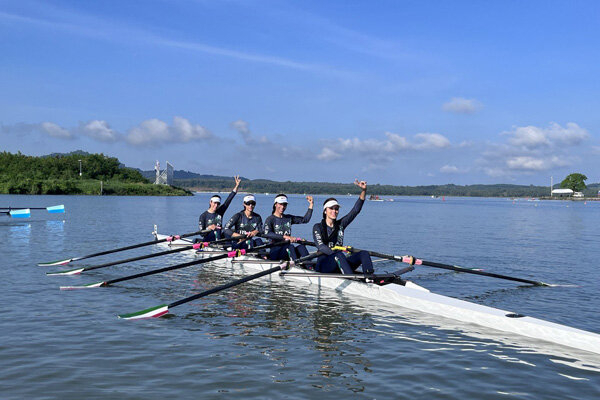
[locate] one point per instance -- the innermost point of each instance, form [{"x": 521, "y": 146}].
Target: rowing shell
[{"x": 415, "y": 297}]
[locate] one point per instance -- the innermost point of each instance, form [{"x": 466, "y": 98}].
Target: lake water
[{"x": 268, "y": 339}]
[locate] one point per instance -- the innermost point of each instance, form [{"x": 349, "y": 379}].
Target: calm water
[{"x": 276, "y": 340}]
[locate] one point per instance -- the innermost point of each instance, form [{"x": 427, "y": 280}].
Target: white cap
[
  {"x": 281, "y": 199},
  {"x": 249, "y": 198},
  {"x": 330, "y": 203},
  {"x": 216, "y": 198}
]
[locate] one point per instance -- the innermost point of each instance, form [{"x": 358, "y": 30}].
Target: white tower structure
[{"x": 164, "y": 177}]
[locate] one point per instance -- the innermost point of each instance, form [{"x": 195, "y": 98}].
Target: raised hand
[
  {"x": 361, "y": 184},
  {"x": 237, "y": 182},
  {"x": 310, "y": 201}
]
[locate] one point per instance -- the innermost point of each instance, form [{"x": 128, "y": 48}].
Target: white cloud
[
  {"x": 150, "y": 131},
  {"x": 532, "y": 137},
  {"x": 460, "y": 105},
  {"x": 380, "y": 151},
  {"x": 431, "y": 141},
  {"x": 249, "y": 139},
  {"x": 155, "y": 131},
  {"x": 55, "y": 130},
  {"x": 188, "y": 132},
  {"x": 526, "y": 163},
  {"x": 328, "y": 155},
  {"x": 531, "y": 149},
  {"x": 100, "y": 130},
  {"x": 449, "y": 169}
]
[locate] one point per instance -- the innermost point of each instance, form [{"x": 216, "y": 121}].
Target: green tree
[{"x": 575, "y": 182}]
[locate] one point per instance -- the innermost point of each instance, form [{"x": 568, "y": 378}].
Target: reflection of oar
[
  {"x": 416, "y": 261},
  {"x": 234, "y": 253},
  {"x": 195, "y": 246},
  {"x": 157, "y": 311},
  {"x": 133, "y": 246},
  {"x": 25, "y": 212}
]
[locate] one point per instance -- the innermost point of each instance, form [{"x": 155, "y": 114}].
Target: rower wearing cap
[
  {"x": 245, "y": 223},
  {"x": 278, "y": 226},
  {"x": 212, "y": 218},
  {"x": 330, "y": 232}
]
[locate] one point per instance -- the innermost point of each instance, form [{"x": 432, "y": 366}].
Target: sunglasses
[
  {"x": 336, "y": 208},
  {"x": 250, "y": 203}
]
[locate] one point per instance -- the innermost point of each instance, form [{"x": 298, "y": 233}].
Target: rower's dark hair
[
  {"x": 325, "y": 202},
  {"x": 280, "y": 194}
]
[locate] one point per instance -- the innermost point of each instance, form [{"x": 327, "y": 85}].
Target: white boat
[{"x": 415, "y": 297}]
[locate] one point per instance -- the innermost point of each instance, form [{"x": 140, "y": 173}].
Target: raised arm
[
  {"x": 306, "y": 219},
  {"x": 348, "y": 218},
  {"x": 223, "y": 207}
]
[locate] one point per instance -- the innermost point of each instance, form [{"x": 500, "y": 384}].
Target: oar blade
[
  {"x": 75, "y": 271},
  {"x": 24, "y": 213},
  {"x": 88, "y": 286},
  {"x": 152, "y": 312},
  {"x": 56, "y": 209},
  {"x": 55, "y": 263}
]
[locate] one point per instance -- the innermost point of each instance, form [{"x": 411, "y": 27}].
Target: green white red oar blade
[
  {"x": 55, "y": 263},
  {"x": 152, "y": 312},
  {"x": 88, "y": 286},
  {"x": 75, "y": 271}
]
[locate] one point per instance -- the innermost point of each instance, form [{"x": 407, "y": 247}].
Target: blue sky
[{"x": 394, "y": 92}]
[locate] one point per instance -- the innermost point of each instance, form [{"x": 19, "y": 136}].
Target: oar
[
  {"x": 230, "y": 254},
  {"x": 22, "y": 213},
  {"x": 195, "y": 246},
  {"x": 157, "y": 311},
  {"x": 51, "y": 209},
  {"x": 416, "y": 261},
  {"x": 134, "y": 246},
  {"x": 372, "y": 253}
]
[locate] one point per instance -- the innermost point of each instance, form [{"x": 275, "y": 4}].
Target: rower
[
  {"x": 330, "y": 232},
  {"x": 245, "y": 223},
  {"x": 212, "y": 218},
  {"x": 278, "y": 226}
]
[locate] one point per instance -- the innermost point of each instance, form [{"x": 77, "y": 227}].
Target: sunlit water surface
[{"x": 269, "y": 339}]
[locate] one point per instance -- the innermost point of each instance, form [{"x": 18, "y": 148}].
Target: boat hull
[{"x": 414, "y": 297}]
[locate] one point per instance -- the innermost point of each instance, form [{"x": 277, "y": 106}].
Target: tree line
[{"x": 59, "y": 174}]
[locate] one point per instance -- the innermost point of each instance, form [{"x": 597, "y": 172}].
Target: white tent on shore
[{"x": 562, "y": 192}]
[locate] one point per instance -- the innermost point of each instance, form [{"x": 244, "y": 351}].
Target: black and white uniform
[
  {"x": 326, "y": 237},
  {"x": 207, "y": 218},
  {"x": 240, "y": 223},
  {"x": 277, "y": 227}
]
